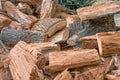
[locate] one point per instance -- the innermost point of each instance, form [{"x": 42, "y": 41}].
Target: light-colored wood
[
  {"x": 22, "y": 66},
  {"x": 45, "y": 48},
  {"x": 13, "y": 12},
  {"x": 98, "y": 10},
  {"x": 48, "y": 8},
  {"x": 30, "y": 2},
  {"x": 92, "y": 74},
  {"x": 0, "y": 4},
  {"x": 15, "y": 25},
  {"x": 49, "y": 26},
  {"x": 65, "y": 75},
  {"x": 72, "y": 59},
  {"x": 89, "y": 42},
  {"x": 108, "y": 43},
  {"x": 59, "y": 36}
]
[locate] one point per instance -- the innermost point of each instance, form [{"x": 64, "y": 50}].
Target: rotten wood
[
  {"x": 22, "y": 66},
  {"x": 49, "y": 26},
  {"x": 61, "y": 60},
  {"x": 99, "y": 10},
  {"x": 13, "y": 12},
  {"x": 108, "y": 43}
]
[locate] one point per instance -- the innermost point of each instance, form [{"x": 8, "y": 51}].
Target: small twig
[{"x": 3, "y": 45}]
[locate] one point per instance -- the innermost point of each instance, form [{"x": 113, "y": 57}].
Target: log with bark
[
  {"x": 65, "y": 75},
  {"x": 72, "y": 59},
  {"x": 89, "y": 42},
  {"x": 99, "y": 10},
  {"x": 49, "y": 26},
  {"x": 108, "y": 43},
  {"x": 10, "y": 36},
  {"x": 24, "y": 19},
  {"x": 22, "y": 66}
]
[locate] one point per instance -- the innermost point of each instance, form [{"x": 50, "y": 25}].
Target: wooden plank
[
  {"x": 22, "y": 66},
  {"x": 108, "y": 43},
  {"x": 72, "y": 59},
  {"x": 99, "y": 10}
]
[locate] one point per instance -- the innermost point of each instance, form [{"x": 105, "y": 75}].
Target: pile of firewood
[{"x": 41, "y": 40}]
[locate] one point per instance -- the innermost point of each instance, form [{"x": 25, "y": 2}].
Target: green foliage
[{"x": 74, "y": 4}]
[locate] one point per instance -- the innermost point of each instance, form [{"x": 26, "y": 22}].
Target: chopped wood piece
[
  {"x": 45, "y": 48},
  {"x": 49, "y": 26},
  {"x": 48, "y": 8},
  {"x": 89, "y": 42},
  {"x": 10, "y": 36},
  {"x": 65, "y": 75},
  {"x": 15, "y": 25},
  {"x": 30, "y": 2},
  {"x": 22, "y": 66},
  {"x": 13, "y": 12},
  {"x": 25, "y": 8},
  {"x": 0, "y": 4},
  {"x": 92, "y": 74},
  {"x": 99, "y": 10},
  {"x": 60, "y": 36},
  {"x": 111, "y": 77},
  {"x": 108, "y": 43},
  {"x": 4, "y": 21},
  {"x": 72, "y": 59}
]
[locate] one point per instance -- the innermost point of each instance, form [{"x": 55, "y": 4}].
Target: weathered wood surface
[
  {"x": 108, "y": 43},
  {"x": 65, "y": 75},
  {"x": 92, "y": 74},
  {"x": 60, "y": 36},
  {"x": 49, "y": 26},
  {"x": 72, "y": 59},
  {"x": 45, "y": 48},
  {"x": 89, "y": 42},
  {"x": 99, "y": 10},
  {"x": 15, "y": 25},
  {"x": 48, "y": 8},
  {"x": 13, "y": 12},
  {"x": 22, "y": 66},
  {"x": 30, "y": 2},
  {"x": 10, "y": 36}
]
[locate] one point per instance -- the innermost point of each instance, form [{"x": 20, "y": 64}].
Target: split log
[
  {"x": 92, "y": 74},
  {"x": 30, "y": 2},
  {"x": 108, "y": 43},
  {"x": 15, "y": 25},
  {"x": 111, "y": 77},
  {"x": 65, "y": 75},
  {"x": 13, "y": 12},
  {"x": 99, "y": 10},
  {"x": 22, "y": 66},
  {"x": 25, "y": 8},
  {"x": 89, "y": 42},
  {"x": 60, "y": 36},
  {"x": 4, "y": 21},
  {"x": 49, "y": 26},
  {"x": 48, "y": 8},
  {"x": 72, "y": 59},
  {"x": 45, "y": 48},
  {"x": 10, "y": 36}
]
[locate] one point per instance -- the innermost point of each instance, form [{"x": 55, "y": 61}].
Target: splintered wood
[
  {"x": 22, "y": 66},
  {"x": 100, "y": 10},
  {"x": 108, "y": 43},
  {"x": 13, "y": 12},
  {"x": 72, "y": 59}
]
